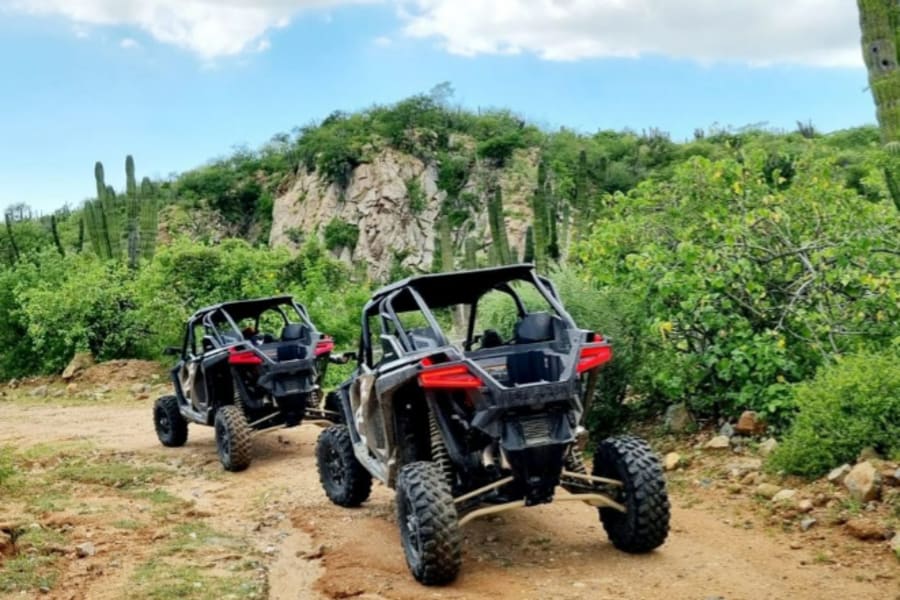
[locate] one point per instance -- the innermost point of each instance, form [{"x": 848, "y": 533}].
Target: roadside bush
[
  {"x": 850, "y": 405},
  {"x": 742, "y": 287},
  {"x": 78, "y": 304},
  {"x": 613, "y": 314}
]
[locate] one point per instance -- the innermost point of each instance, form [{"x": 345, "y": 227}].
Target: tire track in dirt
[{"x": 316, "y": 550}]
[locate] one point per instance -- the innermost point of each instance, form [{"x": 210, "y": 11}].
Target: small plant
[
  {"x": 341, "y": 234},
  {"x": 417, "y": 199},
  {"x": 847, "y": 407},
  {"x": 7, "y": 467}
]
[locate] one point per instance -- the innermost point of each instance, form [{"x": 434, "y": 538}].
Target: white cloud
[
  {"x": 813, "y": 32},
  {"x": 263, "y": 45},
  {"x": 128, "y": 43},
  {"x": 209, "y": 28},
  {"x": 760, "y": 32},
  {"x": 382, "y": 41}
]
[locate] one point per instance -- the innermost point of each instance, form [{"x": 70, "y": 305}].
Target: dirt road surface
[{"x": 719, "y": 547}]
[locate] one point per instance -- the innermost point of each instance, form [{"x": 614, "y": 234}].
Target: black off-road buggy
[
  {"x": 492, "y": 421},
  {"x": 245, "y": 366}
]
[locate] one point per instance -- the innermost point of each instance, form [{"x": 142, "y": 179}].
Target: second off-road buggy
[
  {"x": 244, "y": 366},
  {"x": 492, "y": 421}
]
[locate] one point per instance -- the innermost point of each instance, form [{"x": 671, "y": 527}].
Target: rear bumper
[{"x": 289, "y": 378}]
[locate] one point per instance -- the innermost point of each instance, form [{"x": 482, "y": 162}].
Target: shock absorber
[{"x": 439, "y": 453}]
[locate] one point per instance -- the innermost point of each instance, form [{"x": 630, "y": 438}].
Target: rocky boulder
[
  {"x": 863, "y": 482},
  {"x": 838, "y": 474},
  {"x": 767, "y": 446},
  {"x": 766, "y": 490},
  {"x": 678, "y": 418},
  {"x": 671, "y": 461},
  {"x": 865, "y": 529},
  {"x": 749, "y": 424},
  {"x": 79, "y": 362},
  {"x": 720, "y": 442}
]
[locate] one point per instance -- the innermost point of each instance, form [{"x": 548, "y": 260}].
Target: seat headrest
[
  {"x": 295, "y": 332},
  {"x": 535, "y": 327}
]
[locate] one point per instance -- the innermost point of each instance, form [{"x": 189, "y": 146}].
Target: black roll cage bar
[
  {"x": 209, "y": 324},
  {"x": 387, "y": 314}
]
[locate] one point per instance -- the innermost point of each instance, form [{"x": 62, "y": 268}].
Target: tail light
[
  {"x": 452, "y": 377},
  {"x": 324, "y": 346},
  {"x": 594, "y": 356},
  {"x": 243, "y": 357}
]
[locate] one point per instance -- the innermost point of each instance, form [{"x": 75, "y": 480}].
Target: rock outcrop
[{"x": 395, "y": 229}]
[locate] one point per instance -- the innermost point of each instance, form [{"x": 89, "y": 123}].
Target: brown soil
[{"x": 722, "y": 544}]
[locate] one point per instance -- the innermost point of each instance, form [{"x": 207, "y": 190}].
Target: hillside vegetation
[{"x": 727, "y": 269}]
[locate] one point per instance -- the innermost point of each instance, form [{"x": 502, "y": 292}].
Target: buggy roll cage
[
  {"x": 382, "y": 305},
  {"x": 212, "y": 326}
]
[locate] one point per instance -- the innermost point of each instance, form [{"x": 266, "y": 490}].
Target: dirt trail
[{"x": 718, "y": 546}]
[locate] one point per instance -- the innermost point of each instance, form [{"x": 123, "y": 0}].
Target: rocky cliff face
[{"x": 395, "y": 202}]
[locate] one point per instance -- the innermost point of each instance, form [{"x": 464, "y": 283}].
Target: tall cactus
[
  {"x": 541, "y": 216},
  {"x": 498, "y": 227},
  {"x": 470, "y": 261},
  {"x": 80, "y": 245},
  {"x": 446, "y": 245},
  {"x": 13, "y": 248},
  {"x": 56, "y": 240},
  {"x": 149, "y": 219},
  {"x": 114, "y": 223},
  {"x": 528, "y": 255},
  {"x": 880, "y": 25},
  {"x": 132, "y": 212}
]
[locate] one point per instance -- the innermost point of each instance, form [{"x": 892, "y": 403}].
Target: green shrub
[
  {"x": 742, "y": 287},
  {"x": 341, "y": 234},
  {"x": 850, "y": 405},
  {"x": 416, "y": 195},
  {"x": 7, "y": 465}
]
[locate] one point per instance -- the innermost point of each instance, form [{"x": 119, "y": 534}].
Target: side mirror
[{"x": 172, "y": 351}]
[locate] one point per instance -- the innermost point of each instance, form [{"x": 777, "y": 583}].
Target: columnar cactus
[
  {"x": 116, "y": 223},
  {"x": 56, "y": 240},
  {"x": 880, "y": 24},
  {"x": 471, "y": 261},
  {"x": 498, "y": 228},
  {"x": 446, "y": 241},
  {"x": 541, "y": 217}
]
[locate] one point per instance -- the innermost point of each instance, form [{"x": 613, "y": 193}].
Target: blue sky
[{"x": 88, "y": 80}]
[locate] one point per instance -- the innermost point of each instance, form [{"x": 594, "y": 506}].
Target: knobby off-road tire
[
  {"x": 345, "y": 481},
  {"x": 646, "y": 523},
  {"x": 429, "y": 524},
  {"x": 233, "y": 440},
  {"x": 171, "y": 428}
]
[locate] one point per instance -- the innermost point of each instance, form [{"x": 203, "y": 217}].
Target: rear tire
[
  {"x": 645, "y": 525},
  {"x": 345, "y": 481},
  {"x": 233, "y": 441},
  {"x": 171, "y": 428},
  {"x": 429, "y": 524}
]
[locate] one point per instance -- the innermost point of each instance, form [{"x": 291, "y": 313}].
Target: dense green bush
[
  {"x": 52, "y": 307},
  {"x": 744, "y": 285},
  {"x": 341, "y": 234},
  {"x": 850, "y": 405}
]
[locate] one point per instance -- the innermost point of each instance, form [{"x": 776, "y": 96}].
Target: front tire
[
  {"x": 345, "y": 481},
  {"x": 171, "y": 428},
  {"x": 233, "y": 441},
  {"x": 645, "y": 525},
  {"x": 429, "y": 524}
]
